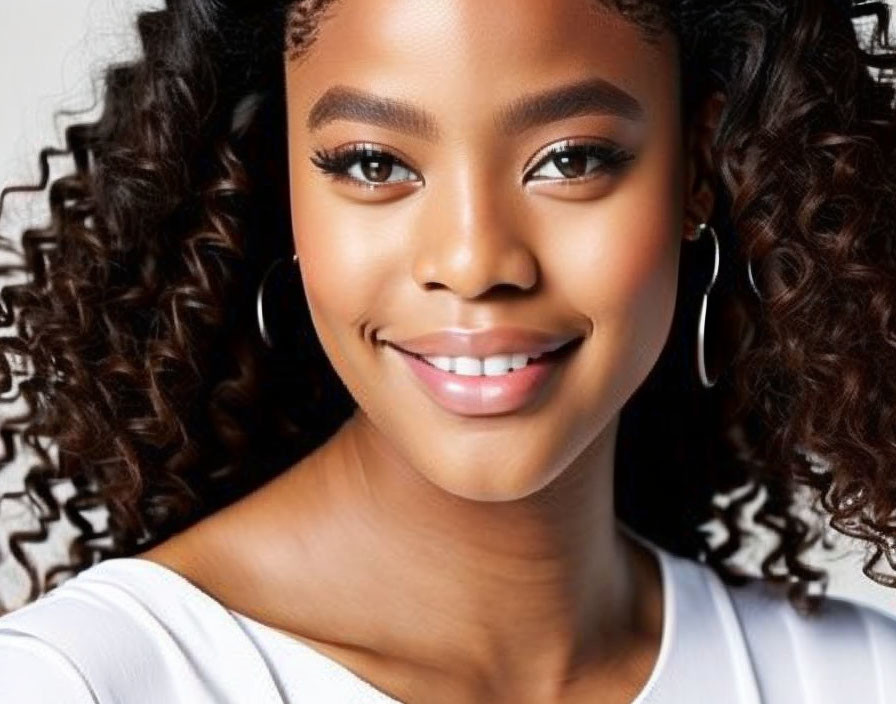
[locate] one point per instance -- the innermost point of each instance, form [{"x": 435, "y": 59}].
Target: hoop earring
[
  {"x": 752, "y": 281},
  {"x": 701, "y": 326},
  {"x": 259, "y": 301}
]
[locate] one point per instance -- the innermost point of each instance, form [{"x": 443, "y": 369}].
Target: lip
[
  {"x": 488, "y": 395},
  {"x": 484, "y": 342}
]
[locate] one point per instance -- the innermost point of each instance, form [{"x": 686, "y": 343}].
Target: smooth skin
[{"x": 447, "y": 558}]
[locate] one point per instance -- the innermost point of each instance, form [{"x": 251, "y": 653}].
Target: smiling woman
[{"x": 412, "y": 346}]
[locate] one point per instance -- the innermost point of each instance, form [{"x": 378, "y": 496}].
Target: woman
[{"x": 413, "y": 346}]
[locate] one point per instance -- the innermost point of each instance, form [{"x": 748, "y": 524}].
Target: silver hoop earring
[
  {"x": 259, "y": 301},
  {"x": 701, "y": 326},
  {"x": 752, "y": 281}
]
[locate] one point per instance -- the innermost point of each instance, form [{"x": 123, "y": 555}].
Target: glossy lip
[
  {"x": 484, "y": 342},
  {"x": 487, "y": 395}
]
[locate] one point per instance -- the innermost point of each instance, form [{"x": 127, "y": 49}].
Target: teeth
[{"x": 490, "y": 366}]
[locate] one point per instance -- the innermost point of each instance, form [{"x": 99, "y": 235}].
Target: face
[{"x": 480, "y": 199}]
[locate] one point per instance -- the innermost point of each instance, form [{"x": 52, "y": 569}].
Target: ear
[{"x": 699, "y": 169}]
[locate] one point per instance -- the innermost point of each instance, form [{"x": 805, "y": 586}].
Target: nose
[{"x": 473, "y": 242}]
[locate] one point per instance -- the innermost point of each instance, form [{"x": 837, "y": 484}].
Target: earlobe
[{"x": 700, "y": 164}]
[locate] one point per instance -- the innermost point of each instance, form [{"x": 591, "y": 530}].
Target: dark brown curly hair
[{"x": 136, "y": 353}]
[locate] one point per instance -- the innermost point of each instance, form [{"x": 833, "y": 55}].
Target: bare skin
[{"x": 447, "y": 558}]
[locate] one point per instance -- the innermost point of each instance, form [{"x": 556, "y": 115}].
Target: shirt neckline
[
  {"x": 361, "y": 684},
  {"x": 669, "y": 620}
]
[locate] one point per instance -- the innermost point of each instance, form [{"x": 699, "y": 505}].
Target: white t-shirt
[{"x": 130, "y": 631}]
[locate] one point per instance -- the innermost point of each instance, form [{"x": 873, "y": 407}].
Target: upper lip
[{"x": 484, "y": 342}]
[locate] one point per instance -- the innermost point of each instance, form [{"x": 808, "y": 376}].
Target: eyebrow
[{"x": 593, "y": 96}]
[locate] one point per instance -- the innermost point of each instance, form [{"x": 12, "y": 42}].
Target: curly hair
[{"x": 136, "y": 352}]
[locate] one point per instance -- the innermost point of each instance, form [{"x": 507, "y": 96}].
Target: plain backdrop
[{"x": 52, "y": 54}]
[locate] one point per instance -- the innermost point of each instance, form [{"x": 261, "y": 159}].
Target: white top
[{"x": 130, "y": 631}]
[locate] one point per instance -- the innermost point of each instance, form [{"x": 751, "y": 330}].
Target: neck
[{"x": 525, "y": 590}]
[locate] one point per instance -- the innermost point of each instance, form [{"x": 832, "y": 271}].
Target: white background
[{"x": 52, "y": 54}]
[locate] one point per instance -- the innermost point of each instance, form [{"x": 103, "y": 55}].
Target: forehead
[{"x": 470, "y": 51}]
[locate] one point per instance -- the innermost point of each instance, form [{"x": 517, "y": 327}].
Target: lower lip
[{"x": 486, "y": 395}]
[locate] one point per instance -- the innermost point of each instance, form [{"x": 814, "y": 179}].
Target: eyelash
[{"x": 336, "y": 163}]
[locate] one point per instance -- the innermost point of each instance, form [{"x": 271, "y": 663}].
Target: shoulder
[
  {"x": 762, "y": 606},
  {"x": 130, "y": 630},
  {"x": 841, "y": 652},
  {"x": 89, "y": 628},
  {"x": 33, "y": 671}
]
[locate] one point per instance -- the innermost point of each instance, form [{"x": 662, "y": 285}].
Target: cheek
[
  {"x": 641, "y": 257},
  {"x": 621, "y": 271},
  {"x": 336, "y": 243},
  {"x": 643, "y": 297},
  {"x": 343, "y": 268},
  {"x": 641, "y": 270},
  {"x": 621, "y": 262},
  {"x": 631, "y": 296}
]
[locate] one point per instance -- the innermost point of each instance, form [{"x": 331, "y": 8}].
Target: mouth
[
  {"x": 545, "y": 358},
  {"x": 507, "y": 391}
]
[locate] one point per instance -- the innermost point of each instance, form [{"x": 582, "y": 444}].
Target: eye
[
  {"x": 367, "y": 166},
  {"x": 579, "y": 162},
  {"x": 363, "y": 165}
]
